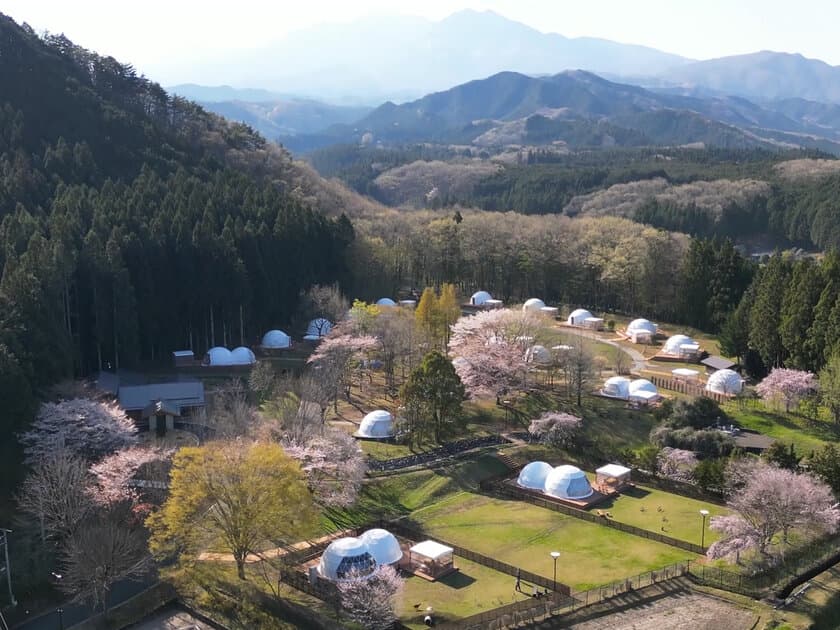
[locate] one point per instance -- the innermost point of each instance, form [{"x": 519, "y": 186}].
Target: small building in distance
[
  {"x": 183, "y": 358},
  {"x": 715, "y": 363},
  {"x": 431, "y": 559},
  {"x": 612, "y": 477}
]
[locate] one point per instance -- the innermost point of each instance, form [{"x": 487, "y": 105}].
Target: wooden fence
[
  {"x": 505, "y": 489},
  {"x": 687, "y": 387}
]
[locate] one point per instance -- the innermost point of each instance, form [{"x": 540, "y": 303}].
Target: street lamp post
[
  {"x": 4, "y": 536},
  {"x": 703, "y": 514},
  {"x": 60, "y": 612},
  {"x": 555, "y": 555}
]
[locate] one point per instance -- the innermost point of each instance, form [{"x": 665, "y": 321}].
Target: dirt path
[
  {"x": 212, "y": 556},
  {"x": 639, "y": 361}
]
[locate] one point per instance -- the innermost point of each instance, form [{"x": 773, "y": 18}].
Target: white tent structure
[
  {"x": 685, "y": 374},
  {"x": 408, "y": 303},
  {"x": 641, "y": 330},
  {"x": 318, "y": 327},
  {"x": 493, "y": 303},
  {"x": 346, "y": 558},
  {"x": 218, "y": 356},
  {"x": 538, "y": 355},
  {"x": 382, "y": 545},
  {"x": 275, "y": 339},
  {"x": 727, "y": 382},
  {"x": 617, "y": 387},
  {"x": 479, "y": 298},
  {"x": 578, "y": 316},
  {"x": 568, "y": 482},
  {"x": 242, "y": 356},
  {"x": 533, "y": 304},
  {"x": 533, "y": 475},
  {"x": 376, "y": 425},
  {"x": 681, "y": 346},
  {"x": 385, "y": 302},
  {"x": 643, "y": 391},
  {"x": 550, "y": 311}
]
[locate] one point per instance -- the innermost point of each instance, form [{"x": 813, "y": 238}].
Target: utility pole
[{"x": 8, "y": 568}]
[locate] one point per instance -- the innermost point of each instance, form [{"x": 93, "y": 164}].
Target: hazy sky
[{"x": 152, "y": 33}]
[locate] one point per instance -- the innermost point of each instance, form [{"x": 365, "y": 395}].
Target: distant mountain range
[{"x": 581, "y": 109}]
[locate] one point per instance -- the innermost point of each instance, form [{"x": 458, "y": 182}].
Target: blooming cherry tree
[
  {"x": 370, "y": 601},
  {"x": 113, "y": 474},
  {"x": 676, "y": 463},
  {"x": 788, "y": 386},
  {"x": 556, "y": 428},
  {"x": 88, "y": 428}
]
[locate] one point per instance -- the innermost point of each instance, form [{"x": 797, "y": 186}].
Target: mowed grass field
[
  {"x": 473, "y": 589},
  {"x": 524, "y": 535},
  {"x": 805, "y": 434}
]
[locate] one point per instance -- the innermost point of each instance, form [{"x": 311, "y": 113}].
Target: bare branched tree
[{"x": 229, "y": 412}]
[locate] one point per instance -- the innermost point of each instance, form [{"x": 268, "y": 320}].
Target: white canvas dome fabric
[
  {"x": 641, "y": 326},
  {"x": 242, "y": 356},
  {"x": 568, "y": 482},
  {"x": 385, "y": 302},
  {"x": 675, "y": 342},
  {"x": 642, "y": 385},
  {"x": 533, "y": 304},
  {"x": 376, "y": 424},
  {"x": 276, "y": 339},
  {"x": 539, "y": 355},
  {"x": 578, "y": 316},
  {"x": 346, "y": 558},
  {"x": 480, "y": 297},
  {"x": 219, "y": 356},
  {"x": 382, "y": 545},
  {"x": 725, "y": 382},
  {"x": 533, "y": 475},
  {"x": 617, "y": 387}
]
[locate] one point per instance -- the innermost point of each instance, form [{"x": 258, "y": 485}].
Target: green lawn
[
  {"x": 640, "y": 506},
  {"x": 807, "y": 435},
  {"x": 523, "y": 535},
  {"x": 473, "y": 589}
]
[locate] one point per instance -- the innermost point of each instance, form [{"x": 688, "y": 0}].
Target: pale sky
[{"x": 150, "y": 34}]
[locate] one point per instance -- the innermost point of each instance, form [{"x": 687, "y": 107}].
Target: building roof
[
  {"x": 750, "y": 441},
  {"x": 718, "y": 363},
  {"x": 182, "y": 394},
  {"x": 183, "y": 353},
  {"x": 613, "y": 470},
  {"x": 431, "y": 549}
]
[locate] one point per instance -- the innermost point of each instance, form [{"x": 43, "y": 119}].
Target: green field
[
  {"x": 806, "y": 434},
  {"x": 473, "y": 589},
  {"x": 523, "y": 535}
]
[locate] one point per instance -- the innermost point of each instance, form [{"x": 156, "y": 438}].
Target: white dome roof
[
  {"x": 276, "y": 339},
  {"x": 725, "y": 382},
  {"x": 480, "y": 297},
  {"x": 533, "y": 475},
  {"x": 318, "y": 328},
  {"x": 568, "y": 482},
  {"x": 672, "y": 346},
  {"x": 385, "y": 302},
  {"x": 346, "y": 557},
  {"x": 642, "y": 385},
  {"x": 641, "y": 325},
  {"x": 578, "y": 316},
  {"x": 377, "y": 424},
  {"x": 617, "y": 387},
  {"x": 242, "y": 356},
  {"x": 219, "y": 356},
  {"x": 539, "y": 354},
  {"x": 382, "y": 545},
  {"x": 534, "y": 304}
]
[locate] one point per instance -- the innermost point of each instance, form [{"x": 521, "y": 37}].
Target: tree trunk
[{"x": 240, "y": 568}]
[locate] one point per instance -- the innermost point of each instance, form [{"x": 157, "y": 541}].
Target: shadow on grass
[
  {"x": 634, "y": 492},
  {"x": 826, "y": 616},
  {"x": 457, "y": 580}
]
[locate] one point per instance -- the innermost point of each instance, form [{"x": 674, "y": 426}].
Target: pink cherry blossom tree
[
  {"x": 334, "y": 466},
  {"x": 370, "y": 601},
  {"x": 88, "y": 428},
  {"x": 787, "y": 386},
  {"x": 113, "y": 474},
  {"x": 490, "y": 349},
  {"x": 338, "y": 355},
  {"x": 676, "y": 463},
  {"x": 556, "y": 428},
  {"x": 772, "y": 504}
]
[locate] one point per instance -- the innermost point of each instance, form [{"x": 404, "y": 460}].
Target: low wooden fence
[
  {"x": 687, "y": 387},
  {"x": 506, "y": 489}
]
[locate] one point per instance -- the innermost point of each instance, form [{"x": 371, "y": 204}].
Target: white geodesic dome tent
[
  {"x": 318, "y": 327},
  {"x": 218, "y": 356},
  {"x": 617, "y": 387},
  {"x": 533, "y": 304},
  {"x": 242, "y": 356},
  {"x": 274, "y": 339},
  {"x": 382, "y": 545},
  {"x": 641, "y": 326},
  {"x": 727, "y": 382},
  {"x": 533, "y": 475},
  {"x": 676, "y": 342},
  {"x": 539, "y": 355},
  {"x": 642, "y": 390},
  {"x": 385, "y": 302},
  {"x": 568, "y": 482},
  {"x": 479, "y": 298},
  {"x": 378, "y": 424},
  {"x": 346, "y": 558},
  {"x": 578, "y": 316}
]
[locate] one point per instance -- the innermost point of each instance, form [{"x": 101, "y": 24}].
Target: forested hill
[{"x": 133, "y": 223}]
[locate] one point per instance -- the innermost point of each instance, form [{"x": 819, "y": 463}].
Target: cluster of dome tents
[
  {"x": 638, "y": 390},
  {"x": 563, "y": 482},
  {"x": 357, "y": 558},
  {"x": 222, "y": 356}
]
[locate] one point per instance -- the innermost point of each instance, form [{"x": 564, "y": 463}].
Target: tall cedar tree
[{"x": 434, "y": 393}]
